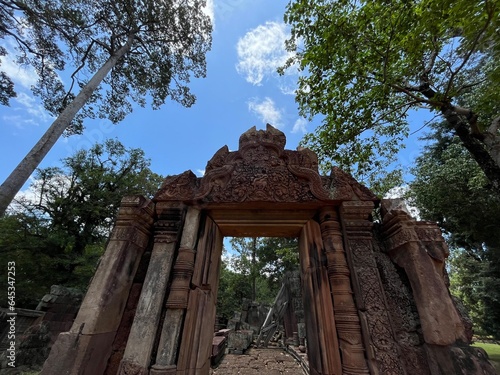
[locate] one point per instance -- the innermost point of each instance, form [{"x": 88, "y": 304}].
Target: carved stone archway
[{"x": 376, "y": 298}]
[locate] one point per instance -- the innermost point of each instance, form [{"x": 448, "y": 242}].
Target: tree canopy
[
  {"x": 367, "y": 64},
  {"x": 95, "y": 59},
  {"x": 58, "y": 230},
  {"x": 254, "y": 271}
]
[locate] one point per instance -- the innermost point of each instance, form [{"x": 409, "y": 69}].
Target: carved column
[
  {"x": 140, "y": 343},
  {"x": 322, "y": 342},
  {"x": 85, "y": 349},
  {"x": 177, "y": 300},
  {"x": 420, "y": 249},
  {"x": 346, "y": 313},
  {"x": 378, "y": 335},
  {"x": 196, "y": 343}
]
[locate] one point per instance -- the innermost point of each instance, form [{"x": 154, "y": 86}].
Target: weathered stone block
[
  {"x": 163, "y": 370},
  {"x": 223, "y": 332},
  {"x": 239, "y": 341}
]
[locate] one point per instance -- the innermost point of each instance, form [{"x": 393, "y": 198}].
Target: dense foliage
[
  {"x": 254, "y": 271},
  {"x": 451, "y": 189},
  {"x": 366, "y": 64},
  {"x": 94, "y": 59},
  {"x": 57, "y": 231}
]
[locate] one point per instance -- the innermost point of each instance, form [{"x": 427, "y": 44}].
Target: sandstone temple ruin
[{"x": 375, "y": 294}]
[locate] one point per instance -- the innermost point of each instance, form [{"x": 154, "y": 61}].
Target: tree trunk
[
  {"x": 484, "y": 152},
  {"x": 26, "y": 167}
]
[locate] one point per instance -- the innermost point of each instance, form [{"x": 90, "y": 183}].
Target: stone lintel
[{"x": 356, "y": 210}]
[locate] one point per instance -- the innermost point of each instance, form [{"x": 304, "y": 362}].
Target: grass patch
[{"x": 493, "y": 351}]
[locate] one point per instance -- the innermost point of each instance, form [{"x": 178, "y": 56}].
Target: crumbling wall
[{"x": 54, "y": 314}]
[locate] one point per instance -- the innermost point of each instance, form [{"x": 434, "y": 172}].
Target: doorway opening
[{"x": 259, "y": 301}]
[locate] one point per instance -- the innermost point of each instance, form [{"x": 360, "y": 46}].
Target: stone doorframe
[{"x": 150, "y": 308}]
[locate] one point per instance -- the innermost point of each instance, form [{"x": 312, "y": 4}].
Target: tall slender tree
[{"x": 131, "y": 50}]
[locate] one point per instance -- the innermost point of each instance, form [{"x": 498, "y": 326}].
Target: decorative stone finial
[{"x": 271, "y": 137}]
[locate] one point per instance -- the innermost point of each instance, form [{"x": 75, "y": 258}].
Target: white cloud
[
  {"x": 288, "y": 86},
  {"x": 25, "y": 111},
  {"x": 399, "y": 192},
  {"x": 200, "y": 172},
  {"x": 33, "y": 107},
  {"x": 24, "y": 76},
  {"x": 208, "y": 9},
  {"x": 266, "y": 111},
  {"x": 261, "y": 51},
  {"x": 300, "y": 125}
]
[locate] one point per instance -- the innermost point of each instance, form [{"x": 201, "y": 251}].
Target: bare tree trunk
[{"x": 26, "y": 167}]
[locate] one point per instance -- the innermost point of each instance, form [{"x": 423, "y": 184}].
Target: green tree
[
  {"x": 233, "y": 288},
  {"x": 263, "y": 261},
  {"x": 57, "y": 233},
  {"x": 6, "y": 23},
  {"x": 278, "y": 255},
  {"x": 449, "y": 188},
  {"x": 131, "y": 50},
  {"x": 367, "y": 64},
  {"x": 247, "y": 262}
]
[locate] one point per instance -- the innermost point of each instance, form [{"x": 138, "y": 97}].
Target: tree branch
[
  {"x": 472, "y": 49},
  {"x": 76, "y": 71}
]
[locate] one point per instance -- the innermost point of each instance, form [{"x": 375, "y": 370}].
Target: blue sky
[{"x": 242, "y": 89}]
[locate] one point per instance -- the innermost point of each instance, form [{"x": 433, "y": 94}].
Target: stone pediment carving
[{"x": 262, "y": 171}]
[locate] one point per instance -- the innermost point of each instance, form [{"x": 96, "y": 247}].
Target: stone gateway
[{"x": 375, "y": 295}]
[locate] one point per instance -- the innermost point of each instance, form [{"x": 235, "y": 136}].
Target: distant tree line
[{"x": 58, "y": 229}]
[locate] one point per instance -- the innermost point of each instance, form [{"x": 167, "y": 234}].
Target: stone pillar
[
  {"x": 322, "y": 342},
  {"x": 346, "y": 313},
  {"x": 141, "y": 340},
  {"x": 85, "y": 349},
  {"x": 420, "y": 249},
  {"x": 177, "y": 300},
  {"x": 378, "y": 335},
  {"x": 197, "y": 335}
]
